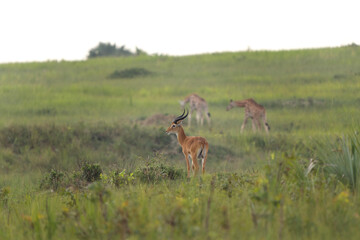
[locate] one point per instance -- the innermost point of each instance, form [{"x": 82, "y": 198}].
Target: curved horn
[
  {"x": 181, "y": 117},
  {"x": 178, "y": 117}
]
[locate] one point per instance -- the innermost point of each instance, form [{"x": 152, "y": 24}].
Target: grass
[
  {"x": 58, "y": 117},
  {"x": 341, "y": 157},
  {"x": 251, "y": 204}
]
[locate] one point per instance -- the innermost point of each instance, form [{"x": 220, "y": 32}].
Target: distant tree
[
  {"x": 122, "y": 51},
  {"x": 108, "y": 49},
  {"x": 139, "y": 52},
  {"x": 103, "y": 49}
]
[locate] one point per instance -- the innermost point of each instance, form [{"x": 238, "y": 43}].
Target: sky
[{"x": 43, "y": 30}]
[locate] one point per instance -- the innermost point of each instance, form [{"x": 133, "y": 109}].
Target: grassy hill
[
  {"x": 307, "y": 93},
  {"x": 57, "y": 118},
  {"x": 66, "y": 92}
]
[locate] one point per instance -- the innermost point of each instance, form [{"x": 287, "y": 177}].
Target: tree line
[{"x": 108, "y": 50}]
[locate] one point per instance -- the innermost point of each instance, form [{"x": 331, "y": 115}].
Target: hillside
[
  {"x": 286, "y": 82},
  {"x": 84, "y": 153}
]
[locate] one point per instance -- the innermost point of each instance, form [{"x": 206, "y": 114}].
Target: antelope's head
[
  {"x": 230, "y": 106},
  {"x": 176, "y": 123}
]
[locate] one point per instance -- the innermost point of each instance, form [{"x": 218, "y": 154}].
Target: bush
[
  {"x": 107, "y": 49},
  {"x": 53, "y": 180},
  {"x": 91, "y": 172},
  {"x": 110, "y": 50},
  {"x": 57, "y": 179},
  {"x": 118, "y": 178},
  {"x": 129, "y": 73},
  {"x": 154, "y": 170}
]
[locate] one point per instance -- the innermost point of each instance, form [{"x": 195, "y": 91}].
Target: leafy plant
[
  {"x": 341, "y": 157},
  {"x": 155, "y": 170},
  {"x": 118, "y": 178},
  {"x": 91, "y": 172},
  {"x": 52, "y": 180}
]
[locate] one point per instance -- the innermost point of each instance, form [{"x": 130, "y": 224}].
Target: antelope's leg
[
  {"x": 198, "y": 116},
  {"x": 195, "y": 165},
  {"x": 202, "y": 119},
  {"x": 258, "y": 124},
  {"x": 187, "y": 164},
  {"x": 204, "y": 159},
  {"x": 253, "y": 124},
  {"x": 244, "y": 123}
]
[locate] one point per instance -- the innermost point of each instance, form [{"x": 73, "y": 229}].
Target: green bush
[
  {"x": 53, "y": 180},
  {"x": 118, "y": 178},
  {"x": 130, "y": 73},
  {"x": 107, "y": 49},
  {"x": 91, "y": 172},
  {"x": 155, "y": 170}
]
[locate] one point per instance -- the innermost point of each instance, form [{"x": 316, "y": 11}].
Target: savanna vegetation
[
  {"x": 111, "y": 50},
  {"x": 84, "y": 154}
]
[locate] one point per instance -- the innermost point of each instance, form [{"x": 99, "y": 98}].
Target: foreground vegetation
[
  {"x": 79, "y": 157},
  {"x": 282, "y": 201}
]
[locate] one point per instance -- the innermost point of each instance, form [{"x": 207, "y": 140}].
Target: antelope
[
  {"x": 254, "y": 111},
  {"x": 199, "y": 105},
  {"x": 192, "y": 147}
]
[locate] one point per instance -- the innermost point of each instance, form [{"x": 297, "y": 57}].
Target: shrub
[
  {"x": 154, "y": 170},
  {"x": 52, "y": 180},
  {"x": 129, "y": 73},
  {"x": 107, "y": 49},
  {"x": 91, "y": 172},
  {"x": 118, "y": 178}
]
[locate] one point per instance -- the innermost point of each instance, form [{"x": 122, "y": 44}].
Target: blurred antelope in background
[
  {"x": 193, "y": 147},
  {"x": 199, "y": 105},
  {"x": 254, "y": 111}
]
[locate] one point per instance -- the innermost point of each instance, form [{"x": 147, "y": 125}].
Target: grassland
[{"x": 62, "y": 115}]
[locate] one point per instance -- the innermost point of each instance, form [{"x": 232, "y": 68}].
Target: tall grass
[
  {"x": 341, "y": 157},
  {"x": 276, "y": 202}
]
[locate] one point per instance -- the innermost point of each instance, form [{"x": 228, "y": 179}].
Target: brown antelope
[
  {"x": 193, "y": 147},
  {"x": 199, "y": 105},
  {"x": 253, "y": 110}
]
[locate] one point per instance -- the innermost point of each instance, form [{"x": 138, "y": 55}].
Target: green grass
[
  {"x": 56, "y": 116},
  {"x": 277, "y": 204}
]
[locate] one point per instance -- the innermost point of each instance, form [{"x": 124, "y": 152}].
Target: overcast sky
[{"x": 40, "y": 30}]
